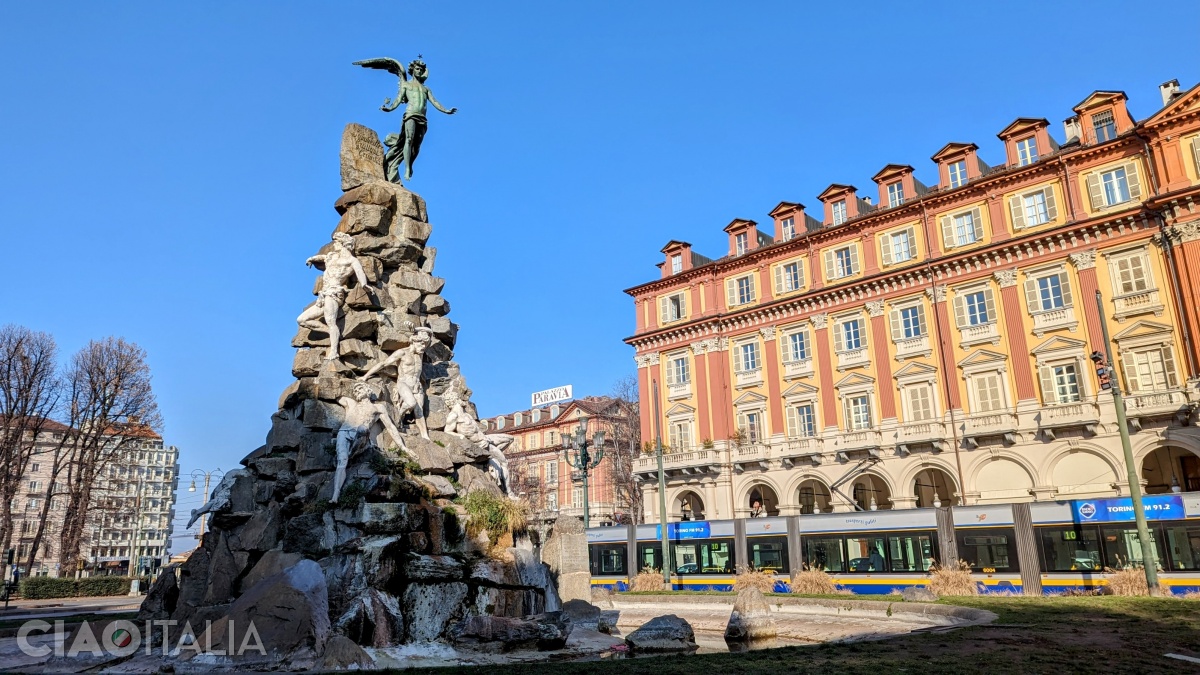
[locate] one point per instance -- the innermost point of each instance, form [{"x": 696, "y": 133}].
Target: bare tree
[
  {"x": 29, "y": 391},
  {"x": 624, "y": 422},
  {"x": 111, "y": 408}
]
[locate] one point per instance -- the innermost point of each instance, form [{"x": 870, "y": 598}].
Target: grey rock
[
  {"x": 316, "y": 453},
  {"x": 418, "y": 281},
  {"x": 373, "y": 619},
  {"x": 751, "y": 618},
  {"x": 427, "y": 259},
  {"x": 297, "y": 391},
  {"x": 308, "y": 362},
  {"x": 360, "y": 218},
  {"x": 413, "y": 230},
  {"x": 391, "y": 251},
  {"x": 285, "y": 433},
  {"x": 323, "y": 415},
  {"x": 493, "y": 572},
  {"x": 342, "y": 654},
  {"x": 361, "y": 349},
  {"x": 434, "y": 568},
  {"x": 360, "y": 325},
  {"x": 443, "y": 329},
  {"x": 358, "y": 298},
  {"x": 471, "y": 478},
  {"x": 271, "y": 563},
  {"x": 461, "y": 450},
  {"x": 440, "y": 486},
  {"x": 565, "y": 552},
  {"x": 918, "y": 594},
  {"x": 435, "y": 304},
  {"x": 663, "y": 634},
  {"x": 374, "y": 193},
  {"x": 308, "y": 534},
  {"x": 504, "y": 634},
  {"x": 429, "y": 608},
  {"x": 362, "y": 157},
  {"x": 388, "y": 518},
  {"x": 162, "y": 597},
  {"x": 581, "y": 613},
  {"x": 272, "y": 467},
  {"x": 260, "y": 451},
  {"x": 261, "y": 532},
  {"x": 223, "y": 571},
  {"x": 310, "y": 338},
  {"x": 432, "y": 457}
]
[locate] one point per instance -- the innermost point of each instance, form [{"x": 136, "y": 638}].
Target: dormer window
[
  {"x": 789, "y": 228},
  {"x": 895, "y": 193},
  {"x": 741, "y": 243},
  {"x": 839, "y": 212},
  {"x": 676, "y": 264},
  {"x": 1027, "y": 151},
  {"x": 958, "y": 173},
  {"x": 673, "y": 307},
  {"x": 1104, "y": 126}
]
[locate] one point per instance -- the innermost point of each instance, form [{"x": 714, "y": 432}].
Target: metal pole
[
  {"x": 662, "y": 493},
  {"x": 1135, "y": 485},
  {"x": 204, "y": 500},
  {"x": 584, "y": 459}
]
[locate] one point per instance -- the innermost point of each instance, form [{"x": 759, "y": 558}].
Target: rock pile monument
[{"x": 340, "y": 528}]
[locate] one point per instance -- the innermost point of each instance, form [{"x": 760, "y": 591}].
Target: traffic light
[{"x": 1103, "y": 370}]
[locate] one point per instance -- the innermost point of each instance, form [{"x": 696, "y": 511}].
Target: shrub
[
  {"x": 952, "y": 579},
  {"x": 89, "y": 586},
  {"x": 1128, "y": 581},
  {"x": 352, "y": 495},
  {"x": 814, "y": 581},
  {"x": 499, "y": 516},
  {"x": 41, "y": 588},
  {"x": 748, "y": 577},
  {"x": 648, "y": 580}
]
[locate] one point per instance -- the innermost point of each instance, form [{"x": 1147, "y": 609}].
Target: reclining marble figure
[
  {"x": 340, "y": 264},
  {"x": 219, "y": 498},
  {"x": 409, "y": 393},
  {"x": 362, "y": 412},
  {"x": 460, "y": 423}
]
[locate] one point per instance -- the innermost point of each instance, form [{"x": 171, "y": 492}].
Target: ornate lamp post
[
  {"x": 207, "y": 476},
  {"x": 583, "y": 461}
]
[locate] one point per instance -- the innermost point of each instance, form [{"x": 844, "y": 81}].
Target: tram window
[
  {"x": 609, "y": 559},
  {"x": 865, "y": 554},
  {"x": 911, "y": 553},
  {"x": 1183, "y": 545},
  {"x": 650, "y": 557},
  {"x": 824, "y": 553},
  {"x": 988, "y": 550},
  {"x": 1070, "y": 549},
  {"x": 686, "y": 558},
  {"x": 769, "y": 555},
  {"x": 1123, "y": 549}
]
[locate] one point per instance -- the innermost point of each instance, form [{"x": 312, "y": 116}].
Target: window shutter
[
  {"x": 977, "y": 221},
  {"x": 1017, "y": 209},
  {"x": 1129, "y": 365},
  {"x": 853, "y": 259},
  {"x": 829, "y": 275},
  {"x": 683, "y": 304},
  {"x": 862, "y": 333},
  {"x": 885, "y": 245},
  {"x": 989, "y": 303},
  {"x": 897, "y": 324},
  {"x": 1065, "y": 282},
  {"x": 778, "y": 279},
  {"x": 791, "y": 422},
  {"x": 1196, "y": 152},
  {"x": 738, "y": 359},
  {"x": 948, "y": 232},
  {"x": 753, "y": 296},
  {"x": 960, "y": 311},
  {"x": 912, "y": 243},
  {"x": 1047, "y": 377},
  {"x": 1032, "y": 301},
  {"x": 670, "y": 373},
  {"x": 921, "y": 320},
  {"x": 839, "y": 336},
  {"x": 1051, "y": 205},
  {"x": 1135, "y": 182},
  {"x": 1095, "y": 195},
  {"x": 730, "y": 292},
  {"x": 662, "y": 307}
]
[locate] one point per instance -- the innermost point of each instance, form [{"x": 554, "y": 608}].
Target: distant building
[
  {"x": 132, "y": 509},
  {"x": 930, "y": 345}
]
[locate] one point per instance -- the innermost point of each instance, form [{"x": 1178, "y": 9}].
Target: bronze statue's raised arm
[
  {"x": 390, "y": 104},
  {"x": 438, "y": 104}
]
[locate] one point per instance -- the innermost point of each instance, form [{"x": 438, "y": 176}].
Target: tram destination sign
[
  {"x": 1158, "y": 507},
  {"x": 554, "y": 395}
]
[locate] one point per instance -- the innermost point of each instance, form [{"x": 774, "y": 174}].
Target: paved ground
[{"x": 20, "y": 610}]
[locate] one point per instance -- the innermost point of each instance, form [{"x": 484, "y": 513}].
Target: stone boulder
[
  {"x": 504, "y": 634},
  {"x": 566, "y": 554},
  {"x": 663, "y": 634},
  {"x": 751, "y": 618},
  {"x": 918, "y": 594},
  {"x": 341, "y": 653},
  {"x": 432, "y": 457},
  {"x": 581, "y": 614}
]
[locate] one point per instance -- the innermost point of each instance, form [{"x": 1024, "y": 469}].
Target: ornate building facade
[{"x": 932, "y": 348}]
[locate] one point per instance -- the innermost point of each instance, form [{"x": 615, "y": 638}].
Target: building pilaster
[
  {"x": 774, "y": 400},
  {"x": 880, "y": 337},
  {"x": 1085, "y": 265},
  {"x": 824, "y": 351},
  {"x": 700, "y": 379},
  {"x": 937, "y": 298},
  {"x": 1018, "y": 340}
]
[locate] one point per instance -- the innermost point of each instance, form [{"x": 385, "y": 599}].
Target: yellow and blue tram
[{"x": 1042, "y": 547}]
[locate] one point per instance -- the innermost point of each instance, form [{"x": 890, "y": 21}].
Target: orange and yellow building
[{"x": 930, "y": 344}]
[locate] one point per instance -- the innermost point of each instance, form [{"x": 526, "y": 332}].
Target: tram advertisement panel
[
  {"x": 1158, "y": 507},
  {"x": 697, "y": 529}
]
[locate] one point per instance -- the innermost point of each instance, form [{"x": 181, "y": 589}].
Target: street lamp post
[
  {"x": 583, "y": 461},
  {"x": 207, "y": 476}
]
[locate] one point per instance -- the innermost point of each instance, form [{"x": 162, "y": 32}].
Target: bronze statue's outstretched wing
[{"x": 391, "y": 65}]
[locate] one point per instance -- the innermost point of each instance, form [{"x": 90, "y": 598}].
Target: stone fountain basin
[{"x": 802, "y": 620}]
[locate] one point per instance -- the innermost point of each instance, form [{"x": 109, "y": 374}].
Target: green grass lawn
[{"x": 1093, "y": 635}]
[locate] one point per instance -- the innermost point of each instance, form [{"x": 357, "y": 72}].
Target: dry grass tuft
[
  {"x": 1191, "y": 595},
  {"x": 747, "y": 577},
  {"x": 814, "y": 581},
  {"x": 952, "y": 579},
  {"x": 648, "y": 580},
  {"x": 1126, "y": 582}
]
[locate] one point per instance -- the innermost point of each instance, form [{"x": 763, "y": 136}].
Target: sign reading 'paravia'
[
  {"x": 1158, "y": 507},
  {"x": 562, "y": 393}
]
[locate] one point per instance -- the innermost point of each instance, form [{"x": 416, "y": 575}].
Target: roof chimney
[
  {"x": 1169, "y": 90},
  {"x": 1072, "y": 129},
  {"x": 867, "y": 200}
]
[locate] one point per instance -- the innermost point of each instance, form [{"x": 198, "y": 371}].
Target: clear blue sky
[{"x": 165, "y": 168}]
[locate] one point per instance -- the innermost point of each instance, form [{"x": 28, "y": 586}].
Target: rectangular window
[
  {"x": 958, "y": 173},
  {"x": 839, "y": 212},
  {"x": 747, "y": 357},
  {"x": 1035, "y": 209},
  {"x": 577, "y": 497},
  {"x": 858, "y": 412},
  {"x": 975, "y": 308},
  {"x": 34, "y": 467},
  {"x": 848, "y": 335},
  {"x": 901, "y": 246},
  {"x": 649, "y": 557},
  {"x": 1049, "y": 292},
  {"x": 988, "y": 550},
  {"x": 673, "y": 307},
  {"x": 1130, "y": 275},
  {"x": 552, "y": 472},
  {"x": 1060, "y": 383},
  {"x": 920, "y": 402},
  {"x": 676, "y": 264},
  {"x": 796, "y": 347},
  {"x": 1104, "y": 126},
  {"x": 745, "y": 290},
  {"x": 708, "y": 557},
  {"x": 865, "y": 554},
  {"x": 677, "y": 371},
  {"x": 841, "y": 262},
  {"x": 1114, "y": 186},
  {"x": 791, "y": 276},
  {"x": 609, "y": 558},
  {"x": 680, "y": 435},
  {"x": 741, "y": 243},
  {"x": 789, "y": 229},
  {"x": 908, "y": 322},
  {"x": 769, "y": 554},
  {"x": 895, "y": 193},
  {"x": 1183, "y": 543},
  {"x": 34, "y": 485},
  {"x": 964, "y": 229},
  {"x": 1027, "y": 151},
  {"x": 1149, "y": 370},
  {"x": 824, "y": 553},
  {"x": 1070, "y": 549},
  {"x": 988, "y": 393},
  {"x": 911, "y": 553},
  {"x": 552, "y": 499},
  {"x": 1123, "y": 548},
  {"x": 802, "y": 421},
  {"x": 751, "y": 425}
]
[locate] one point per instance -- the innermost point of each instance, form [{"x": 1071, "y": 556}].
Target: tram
[{"x": 1040, "y": 548}]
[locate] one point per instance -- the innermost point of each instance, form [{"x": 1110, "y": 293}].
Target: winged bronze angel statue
[{"x": 403, "y": 148}]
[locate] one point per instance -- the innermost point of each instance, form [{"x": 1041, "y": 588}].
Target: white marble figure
[
  {"x": 462, "y": 424},
  {"x": 409, "y": 393},
  {"x": 362, "y": 412},
  {"x": 340, "y": 264},
  {"x": 219, "y": 497}
]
